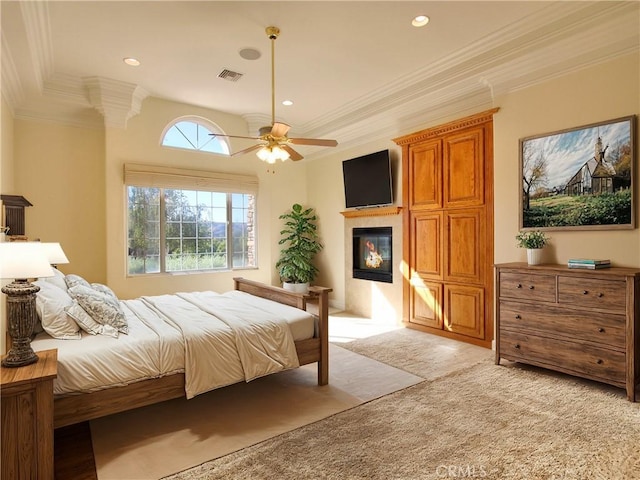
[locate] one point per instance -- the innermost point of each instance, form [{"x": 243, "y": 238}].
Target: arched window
[{"x": 193, "y": 133}]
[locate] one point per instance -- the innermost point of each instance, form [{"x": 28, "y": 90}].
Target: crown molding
[
  {"x": 38, "y": 31},
  {"x": 510, "y": 59},
  {"x": 255, "y": 121},
  {"x": 87, "y": 119},
  {"x": 516, "y": 57},
  {"x": 117, "y": 101},
  {"x": 67, "y": 88},
  {"x": 12, "y": 90}
]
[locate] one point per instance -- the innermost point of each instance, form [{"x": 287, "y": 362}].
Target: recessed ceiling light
[
  {"x": 287, "y": 103},
  {"x": 420, "y": 21},
  {"x": 133, "y": 62}
]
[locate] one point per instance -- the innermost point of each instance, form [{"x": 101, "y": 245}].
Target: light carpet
[
  {"x": 158, "y": 440},
  {"x": 486, "y": 421},
  {"x": 428, "y": 356}
]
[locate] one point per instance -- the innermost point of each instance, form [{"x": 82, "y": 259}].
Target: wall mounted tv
[{"x": 367, "y": 180}]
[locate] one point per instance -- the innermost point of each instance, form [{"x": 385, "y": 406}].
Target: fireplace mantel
[{"x": 372, "y": 212}]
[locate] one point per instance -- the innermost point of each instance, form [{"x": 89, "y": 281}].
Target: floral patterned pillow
[
  {"x": 88, "y": 324},
  {"x": 102, "y": 307},
  {"x": 72, "y": 280}
]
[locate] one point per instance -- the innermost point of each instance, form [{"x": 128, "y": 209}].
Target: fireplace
[{"x": 372, "y": 258}]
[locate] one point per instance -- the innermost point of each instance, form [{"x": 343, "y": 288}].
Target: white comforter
[
  {"x": 216, "y": 339},
  {"x": 226, "y": 340}
]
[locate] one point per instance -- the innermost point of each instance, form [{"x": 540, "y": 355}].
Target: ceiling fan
[{"x": 275, "y": 145}]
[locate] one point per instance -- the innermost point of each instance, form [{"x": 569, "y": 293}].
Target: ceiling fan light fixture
[{"x": 271, "y": 154}]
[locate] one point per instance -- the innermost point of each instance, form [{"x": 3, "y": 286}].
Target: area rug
[
  {"x": 425, "y": 355},
  {"x": 485, "y": 421},
  {"x": 161, "y": 439}
]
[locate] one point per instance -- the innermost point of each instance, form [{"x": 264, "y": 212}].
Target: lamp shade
[
  {"x": 54, "y": 253},
  {"x": 24, "y": 260}
]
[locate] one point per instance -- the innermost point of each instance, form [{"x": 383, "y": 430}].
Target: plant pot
[
  {"x": 296, "y": 287},
  {"x": 534, "y": 256}
]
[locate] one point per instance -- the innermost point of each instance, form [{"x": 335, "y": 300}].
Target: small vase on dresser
[
  {"x": 534, "y": 241},
  {"x": 534, "y": 256}
]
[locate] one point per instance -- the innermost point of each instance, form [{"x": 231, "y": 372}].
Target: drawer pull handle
[
  {"x": 585, "y": 292},
  {"x": 599, "y": 361},
  {"x": 601, "y": 330},
  {"x": 519, "y": 286},
  {"x": 531, "y": 287},
  {"x": 518, "y": 317},
  {"x": 517, "y": 345},
  {"x": 600, "y": 295}
]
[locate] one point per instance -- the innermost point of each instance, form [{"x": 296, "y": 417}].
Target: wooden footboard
[{"x": 83, "y": 407}]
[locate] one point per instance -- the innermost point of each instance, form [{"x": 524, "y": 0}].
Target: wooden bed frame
[{"x": 79, "y": 408}]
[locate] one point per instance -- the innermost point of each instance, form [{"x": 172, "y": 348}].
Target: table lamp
[
  {"x": 21, "y": 261},
  {"x": 54, "y": 253}
]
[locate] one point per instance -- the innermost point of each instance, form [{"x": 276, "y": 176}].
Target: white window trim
[{"x": 204, "y": 122}]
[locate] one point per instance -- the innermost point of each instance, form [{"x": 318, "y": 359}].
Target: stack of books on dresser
[{"x": 588, "y": 263}]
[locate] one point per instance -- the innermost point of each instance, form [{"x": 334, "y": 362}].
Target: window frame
[
  {"x": 205, "y": 123},
  {"x": 170, "y": 178}
]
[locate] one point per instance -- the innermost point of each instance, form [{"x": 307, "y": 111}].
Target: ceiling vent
[{"x": 230, "y": 75}]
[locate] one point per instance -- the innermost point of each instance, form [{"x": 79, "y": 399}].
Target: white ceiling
[{"x": 353, "y": 69}]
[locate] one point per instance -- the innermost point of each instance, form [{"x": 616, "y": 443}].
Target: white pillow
[
  {"x": 50, "y": 304},
  {"x": 57, "y": 279},
  {"x": 88, "y": 324}
]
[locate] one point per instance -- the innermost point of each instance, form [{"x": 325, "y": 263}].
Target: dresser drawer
[
  {"x": 608, "y": 295},
  {"x": 602, "y": 328},
  {"x": 590, "y": 361},
  {"x": 525, "y": 286}
]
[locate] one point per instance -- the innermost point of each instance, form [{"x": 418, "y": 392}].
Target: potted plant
[
  {"x": 533, "y": 241},
  {"x": 300, "y": 237}
]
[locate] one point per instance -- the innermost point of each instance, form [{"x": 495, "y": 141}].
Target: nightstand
[{"x": 27, "y": 418}]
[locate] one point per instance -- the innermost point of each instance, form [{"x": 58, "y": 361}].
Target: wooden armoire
[{"x": 447, "y": 190}]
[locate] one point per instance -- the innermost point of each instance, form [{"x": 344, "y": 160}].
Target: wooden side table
[{"x": 27, "y": 418}]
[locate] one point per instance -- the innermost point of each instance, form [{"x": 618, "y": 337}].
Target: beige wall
[
  {"x": 597, "y": 94},
  {"x": 6, "y": 150},
  {"x": 280, "y": 187},
  {"x": 60, "y": 170},
  {"x": 6, "y": 187},
  {"x": 592, "y": 95},
  {"x": 326, "y": 194}
]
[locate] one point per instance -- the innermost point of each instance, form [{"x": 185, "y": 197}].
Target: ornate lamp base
[{"x": 21, "y": 316}]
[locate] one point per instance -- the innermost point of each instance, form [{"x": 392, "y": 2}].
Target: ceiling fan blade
[
  {"x": 279, "y": 129},
  {"x": 293, "y": 155},
  {"x": 248, "y": 150},
  {"x": 233, "y": 136},
  {"x": 313, "y": 141}
]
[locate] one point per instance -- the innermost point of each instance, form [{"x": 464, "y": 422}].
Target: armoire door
[{"x": 448, "y": 229}]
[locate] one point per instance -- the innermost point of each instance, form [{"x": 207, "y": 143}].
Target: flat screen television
[{"x": 367, "y": 180}]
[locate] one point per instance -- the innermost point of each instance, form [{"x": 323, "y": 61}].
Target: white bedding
[
  {"x": 95, "y": 362},
  {"x": 216, "y": 339}
]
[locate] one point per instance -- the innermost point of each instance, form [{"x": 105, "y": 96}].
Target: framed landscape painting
[{"x": 579, "y": 178}]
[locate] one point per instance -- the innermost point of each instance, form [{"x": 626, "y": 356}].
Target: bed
[{"x": 182, "y": 345}]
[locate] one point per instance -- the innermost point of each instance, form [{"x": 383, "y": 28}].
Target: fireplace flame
[{"x": 373, "y": 259}]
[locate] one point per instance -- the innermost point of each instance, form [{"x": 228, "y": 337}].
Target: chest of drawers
[{"x": 581, "y": 322}]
